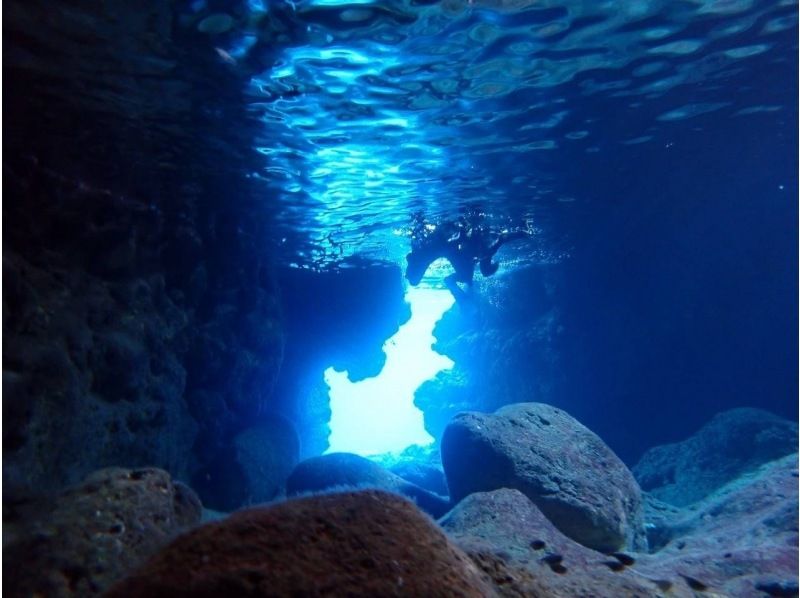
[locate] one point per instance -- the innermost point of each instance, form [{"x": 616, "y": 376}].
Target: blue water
[
  {"x": 373, "y": 110},
  {"x": 650, "y": 147}
]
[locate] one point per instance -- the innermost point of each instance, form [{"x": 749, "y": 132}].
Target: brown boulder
[
  {"x": 369, "y": 543},
  {"x": 93, "y": 534}
]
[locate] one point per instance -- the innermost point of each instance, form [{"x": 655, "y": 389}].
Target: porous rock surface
[
  {"x": 741, "y": 539},
  {"x": 368, "y": 543},
  {"x": 564, "y": 468},
  {"x": 740, "y": 542},
  {"x": 732, "y": 443},
  {"x": 337, "y": 471},
  {"x": 515, "y": 543},
  {"x": 91, "y": 535},
  {"x": 141, "y": 321}
]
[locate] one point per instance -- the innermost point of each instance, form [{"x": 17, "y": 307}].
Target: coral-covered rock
[
  {"x": 94, "y": 533},
  {"x": 367, "y": 543},
  {"x": 346, "y": 470},
  {"x": 732, "y": 443},
  {"x": 565, "y": 469}
]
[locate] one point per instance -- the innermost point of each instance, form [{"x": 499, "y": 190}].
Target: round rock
[
  {"x": 582, "y": 487},
  {"x": 367, "y": 543}
]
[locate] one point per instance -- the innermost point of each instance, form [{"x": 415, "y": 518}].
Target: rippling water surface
[
  {"x": 372, "y": 111},
  {"x": 367, "y": 112}
]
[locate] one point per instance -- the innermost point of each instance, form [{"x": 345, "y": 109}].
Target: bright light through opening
[{"x": 377, "y": 415}]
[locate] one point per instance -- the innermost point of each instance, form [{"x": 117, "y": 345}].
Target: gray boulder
[
  {"x": 564, "y": 468},
  {"x": 732, "y": 443},
  {"x": 339, "y": 471}
]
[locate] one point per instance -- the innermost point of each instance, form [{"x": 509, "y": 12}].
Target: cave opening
[{"x": 377, "y": 415}]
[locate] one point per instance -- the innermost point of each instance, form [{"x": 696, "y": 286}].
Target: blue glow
[{"x": 377, "y": 415}]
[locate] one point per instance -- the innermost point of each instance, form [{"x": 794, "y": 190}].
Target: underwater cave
[{"x": 376, "y": 297}]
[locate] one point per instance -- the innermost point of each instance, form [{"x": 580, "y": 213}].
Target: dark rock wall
[
  {"x": 141, "y": 318},
  {"x": 503, "y": 344}
]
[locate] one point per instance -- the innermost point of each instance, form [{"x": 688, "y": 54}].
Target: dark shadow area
[{"x": 681, "y": 299}]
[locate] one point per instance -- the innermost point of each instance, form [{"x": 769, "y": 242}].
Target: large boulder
[
  {"x": 732, "y": 443},
  {"x": 93, "y": 534},
  {"x": 564, "y": 468},
  {"x": 367, "y": 543},
  {"x": 337, "y": 471}
]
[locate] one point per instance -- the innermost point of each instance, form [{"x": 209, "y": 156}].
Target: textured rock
[
  {"x": 420, "y": 465},
  {"x": 88, "y": 359},
  {"x": 510, "y": 539},
  {"x": 742, "y": 536},
  {"x": 565, "y": 469},
  {"x": 351, "y": 544},
  {"x": 732, "y": 443},
  {"x": 131, "y": 293},
  {"x": 345, "y": 470},
  {"x": 91, "y": 535},
  {"x": 267, "y": 453},
  {"x": 740, "y": 542},
  {"x": 425, "y": 475},
  {"x": 512, "y": 331}
]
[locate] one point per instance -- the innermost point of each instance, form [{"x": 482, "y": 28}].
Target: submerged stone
[
  {"x": 88, "y": 537},
  {"x": 564, "y": 468},
  {"x": 368, "y": 543},
  {"x": 337, "y": 471}
]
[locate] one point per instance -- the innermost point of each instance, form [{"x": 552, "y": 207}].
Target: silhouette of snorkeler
[{"x": 463, "y": 243}]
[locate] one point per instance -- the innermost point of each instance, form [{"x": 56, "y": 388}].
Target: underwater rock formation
[
  {"x": 742, "y": 536},
  {"x": 741, "y": 541},
  {"x": 267, "y": 453},
  {"x": 81, "y": 542},
  {"x": 503, "y": 345},
  {"x": 337, "y": 471},
  {"x": 85, "y": 357},
  {"x": 139, "y": 311},
  {"x": 251, "y": 468},
  {"x": 536, "y": 559},
  {"x": 565, "y": 469},
  {"x": 367, "y": 543},
  {"x": 732, "y": 443}
]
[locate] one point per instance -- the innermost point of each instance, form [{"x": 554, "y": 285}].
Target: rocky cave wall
[
  {"x": 504, "y": 344},
  {"x": 141, "y": 317}
]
